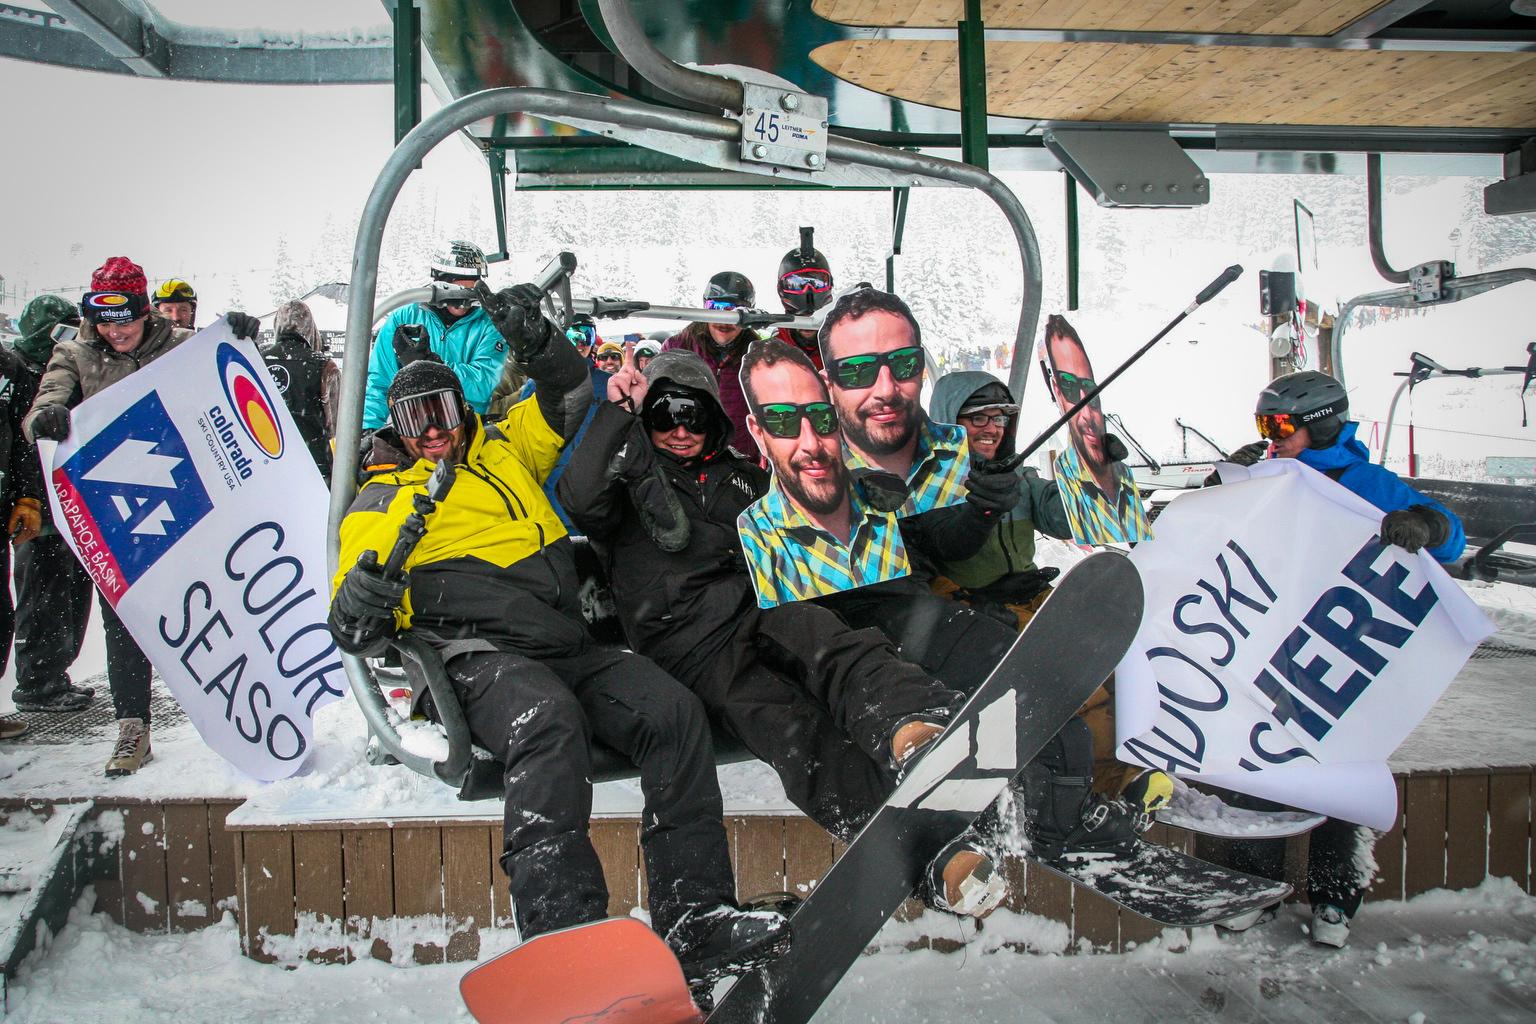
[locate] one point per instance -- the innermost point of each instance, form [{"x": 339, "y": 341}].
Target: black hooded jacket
[{"x": 677, "y": 607}]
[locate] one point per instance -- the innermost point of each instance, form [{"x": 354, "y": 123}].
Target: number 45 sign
[{"x": 783, "y": 127}]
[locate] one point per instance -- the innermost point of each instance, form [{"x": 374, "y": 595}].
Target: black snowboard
[
  {"x": 1065, "y": 653},
  {"x": 1170, "y": 887}
]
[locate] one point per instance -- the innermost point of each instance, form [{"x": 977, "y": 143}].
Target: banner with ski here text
[
  {"x": 1286, "y": 651},
  {"x": 188, "y": 495}
]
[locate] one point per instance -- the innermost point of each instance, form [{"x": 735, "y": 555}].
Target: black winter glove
[
  {"x": 365, "y": 602},
  {"x": 1114, "y": 449},
  {"x": 1249, "y": 454},
  {"x": 52, "y": 422},
  {"x": 515, "y": 312},
  {"x": 992, "y": 492},
  {"x": 243, "y": 324},
  {"x": 885, "y": 492},
  {"x": 1415, "y": 527},
  {"x": 661, "y": 513},
  {"x": 634, "y": 458},
  {"x": 411, "y": 343}
]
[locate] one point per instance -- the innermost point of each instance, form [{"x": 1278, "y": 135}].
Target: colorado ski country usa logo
[
  {"x": 130, "y": 494},
  {"x": 249, "y": 405}
]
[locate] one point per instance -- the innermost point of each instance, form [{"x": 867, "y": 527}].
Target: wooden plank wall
[{"x": 372, "y": 890}]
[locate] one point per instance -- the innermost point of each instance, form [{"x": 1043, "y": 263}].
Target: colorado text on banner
[
  {"x": 188, "y": 495},
  {"x": 1285, "y": 651}
]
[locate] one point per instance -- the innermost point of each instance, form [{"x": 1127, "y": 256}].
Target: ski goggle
[
  {"x": 415, "y": 415},
  {"x": 669, "y": 412},
  {"x": 64, "y": 331},
  {"x": 581, "y": 334},
  {"x": 801, "y": 282},
  {"x": 1073, "y": 387},
  {"x": 175, "y": 291},
  {"x": 862, "y": 371},
  {"x": 721, "y": 304},
  {"x": 782, "y": 419},
  {"x": 113, "y": 307},
  {"x": 1275, "y": 426}
]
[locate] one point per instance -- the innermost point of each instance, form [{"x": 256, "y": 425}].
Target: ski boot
[
  {"x": 962, "y": 880},
  {"x": 1242, "y": 922},
  {"x": 1063, "y": 816},
  {"x": 1147, "y": 794},
  {"x": 711, "y": 942},
  {"x": 1329, "y": 926}
]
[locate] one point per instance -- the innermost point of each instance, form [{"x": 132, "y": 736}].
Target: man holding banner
[
  {"x": 1295, "y": 635},
  {"x": 120, "y": 334}
]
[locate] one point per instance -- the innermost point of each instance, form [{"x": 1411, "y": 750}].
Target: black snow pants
[
  {"x": 53, "y": 609},
  {"x": 128, "y": 668},
  {"x": 818, "y": 701},
  {"x": 538, "y": 717},
  {"x": 1338, "y": 856}
]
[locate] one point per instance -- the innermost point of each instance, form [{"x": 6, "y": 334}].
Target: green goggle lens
[
  {"x": 861, "y": 371},
  {"x": 782, "y": 419}
]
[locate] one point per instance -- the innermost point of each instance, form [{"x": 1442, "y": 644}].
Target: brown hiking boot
[
  {"x": 10, "y": 728},
  {"x": 132, "y": 750}
]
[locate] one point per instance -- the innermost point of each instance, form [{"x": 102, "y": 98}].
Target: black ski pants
[
  {"x": 819, "y": 701},
  {"x": 7, "y": 609},
  {"x": 128, "y": 668},
  {"x": 538, "y": 717},
  {"x": 1337, "y": 855},
  {"x": 53, "y": 609}
]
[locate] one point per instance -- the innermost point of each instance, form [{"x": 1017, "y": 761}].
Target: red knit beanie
[{"x": 120, "y": 274}]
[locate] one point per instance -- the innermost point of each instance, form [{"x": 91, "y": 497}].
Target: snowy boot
[
  {"x": 10, "y": 728},
  {"x": 61, "y": 699},
  {"x": 132, "y": 751},
  {"x": 1063, "y": 814},
  {"x": 963, "y": 880},
  {"x": 1242, "y": 922},
  {"x": 1329, "y": 926},
  {"x": 711, "y": 942},
  {"x": 1147, "y": 794}
]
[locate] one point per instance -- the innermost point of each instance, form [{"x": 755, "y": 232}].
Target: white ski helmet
[{"x": 456, "y": 259}]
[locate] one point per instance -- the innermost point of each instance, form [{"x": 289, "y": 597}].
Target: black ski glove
[
  {"x": 885, "y": 492},
  {"x": 243, "y": 324},
  {"x": 1114, "y": 449},
  {"x": 993, "y": 493},
  {"x": 363, "y": 611},
  {"x": 411, "y": 344},
  {"x": 661, "y": 513},
  {"x": 51, "y": 421},
  {"x": 1249, "y": 454},
  {"x": 1415, "y": 527},
  {"x": 515, "y": 312}
]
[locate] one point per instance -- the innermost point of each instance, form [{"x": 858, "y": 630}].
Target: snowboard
[
  {"x": 610, "y": 971},
  {"x": 1167, "y": 886},
  {"x": 1209, "y": 814},
  {"x": 1056, "y": 664}
]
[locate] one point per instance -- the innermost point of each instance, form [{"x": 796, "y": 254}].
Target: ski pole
[{"x": 1207, "y": 293}]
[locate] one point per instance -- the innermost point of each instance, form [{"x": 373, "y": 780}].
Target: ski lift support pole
[{"x": 1208, "y": 293}]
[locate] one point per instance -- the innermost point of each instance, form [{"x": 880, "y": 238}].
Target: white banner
[
  {"x": 189, "y": 497},
  {"x": 1285, "y": 651}
]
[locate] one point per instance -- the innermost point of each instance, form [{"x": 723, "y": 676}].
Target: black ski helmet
[
  {"x": 806, "y": 257},
  {"x": 729, "y": 286},
  {"x": 1316, "y": 400}
]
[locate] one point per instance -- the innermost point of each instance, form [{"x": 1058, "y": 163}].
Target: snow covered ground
[{"x": 1440, "y": 957}]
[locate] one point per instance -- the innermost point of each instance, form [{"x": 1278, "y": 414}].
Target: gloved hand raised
[
  {"x": 515, "y": 312},
  {"x": 243, "y": 324},
  {"x": 365, "y": 602},
  {"x": 51, "y": 421},
  {"x": 1249, "y": 454},
  {"x": 991, "y": 491},
  {"x": 1415, "y": 527},
  {"x": 411, "y": 343}
]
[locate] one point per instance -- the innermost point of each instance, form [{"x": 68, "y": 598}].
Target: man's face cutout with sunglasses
[
  {"x": 874, "y": 369},
  {"x": 1070, "y": 376},
  {"x": 796, "y": 428}
]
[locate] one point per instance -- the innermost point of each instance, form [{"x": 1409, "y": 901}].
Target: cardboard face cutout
[
  {"x": 874, "y": 367},
  {"x": 1103, "y": 505},
  {"x": 816, "y": 531}
]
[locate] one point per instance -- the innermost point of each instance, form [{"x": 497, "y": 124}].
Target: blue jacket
[
  {"x": 599, "y": 396},
  {"x": 473, "y": 348},
  {"x": 1351, "y": 465}
]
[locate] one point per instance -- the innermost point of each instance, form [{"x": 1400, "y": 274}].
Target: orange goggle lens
[{"x": 1275, "y": 426}]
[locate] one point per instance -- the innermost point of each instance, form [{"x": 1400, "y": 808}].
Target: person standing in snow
[
  {"x": 21, "y": 482},
  {"x": 120, "y": 334},
  {"x": 493, "y": 586},
  {"x": 831, "y": 709},
  {"x": 1305, "y": 416},
  {"x": 458, "y": 334},
  {"x": 721, "y": 346},
  {"x": 308, "y": 378},
  {"x": 53, "y": 592}
]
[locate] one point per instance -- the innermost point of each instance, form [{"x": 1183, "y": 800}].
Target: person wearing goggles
[
  {"x": 722, "y": 346},
  {"x": 805, "y": 285},
  {"x": 1305, "y": 416},
  {"x": 493, "y": 584},
  {"x": 662, "y": 490},
  {"x": 177, "y": 302},
  {"x": 459, "y": 333},
  {"x": 873, "y": 358}
]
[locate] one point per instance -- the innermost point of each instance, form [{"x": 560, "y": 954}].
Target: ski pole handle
[{"x": 1213, "y": 289}]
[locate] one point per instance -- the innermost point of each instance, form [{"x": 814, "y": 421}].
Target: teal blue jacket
[{"x": 472, "y": 348}]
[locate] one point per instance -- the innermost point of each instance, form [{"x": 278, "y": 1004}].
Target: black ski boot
[
  {"x": 1063, "y": 815},
  {"x": 711, "y": 942}
]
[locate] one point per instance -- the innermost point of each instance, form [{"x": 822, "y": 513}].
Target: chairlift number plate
[{"x": 788, "y": 129}]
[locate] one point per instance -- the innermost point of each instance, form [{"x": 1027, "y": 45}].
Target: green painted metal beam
[
  {"x": 407, "y": 21},
  {"x": 973, "y": 87},
  {"x": 1072, "y": 242}
]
